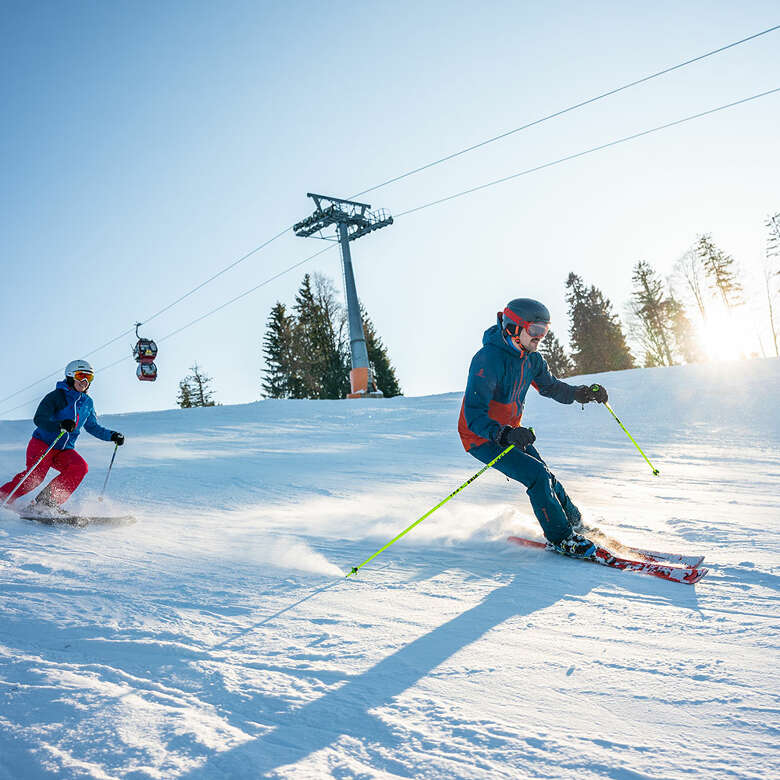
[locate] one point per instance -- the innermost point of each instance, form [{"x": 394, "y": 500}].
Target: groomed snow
[{"x": 218, "y": 637}]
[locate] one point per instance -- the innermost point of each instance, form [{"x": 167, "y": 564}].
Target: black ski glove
[
  {"x": 68, "y": 425},
  {"x": 117, "y": 438},
  {"x": 520, "y": 437},
  {"x": 586, "y": 393}
]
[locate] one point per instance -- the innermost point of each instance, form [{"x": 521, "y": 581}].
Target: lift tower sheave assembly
[{"x": 352, "y": 220}]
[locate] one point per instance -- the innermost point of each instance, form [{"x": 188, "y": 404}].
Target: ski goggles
[
  {"x": 513, "y": 325},
  {"x": 83, "y": 376}
]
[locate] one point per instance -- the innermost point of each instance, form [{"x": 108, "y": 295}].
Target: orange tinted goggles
[{"x": 83, "y": 376}]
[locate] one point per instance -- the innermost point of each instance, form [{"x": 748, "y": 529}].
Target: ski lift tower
[{"x": 352, "y": 220}]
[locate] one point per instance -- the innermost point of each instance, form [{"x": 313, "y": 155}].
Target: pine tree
[
  {"x": 651, "y": 323},
  {"x": 278, "y": 380},
  {"x": 720, "y": 270},
  {"x": 194, "y": 389},
  {"x": 184, "y": 399},
  {"x": 558, "y": 361},
  {"x": 305, "y": 373},
  {"x": 597, "y": 339},
  {"x": 382, "y": 368}
]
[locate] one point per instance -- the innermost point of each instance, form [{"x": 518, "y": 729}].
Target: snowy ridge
[{"x": 218, "y": 637}]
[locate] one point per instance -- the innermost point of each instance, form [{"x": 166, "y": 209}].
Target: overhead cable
[
  {"x": 155, "y": 315},
  {"x": 584, "y": 152},
  {"x": 197, "y": 319},
  {"x": 567, "y": 110}
]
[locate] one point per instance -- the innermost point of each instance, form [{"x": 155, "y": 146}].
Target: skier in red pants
[{"x": 59, "y": 419}]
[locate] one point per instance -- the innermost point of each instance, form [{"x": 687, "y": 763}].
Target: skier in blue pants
[{"x": 499, "y": 378}]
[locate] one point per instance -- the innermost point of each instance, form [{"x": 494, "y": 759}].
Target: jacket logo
[{"x": 481, "y": 372}]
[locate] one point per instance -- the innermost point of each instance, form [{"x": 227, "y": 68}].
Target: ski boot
[
  {"x": 44, "y": 505},
  {"x": 575, "y": 546}
]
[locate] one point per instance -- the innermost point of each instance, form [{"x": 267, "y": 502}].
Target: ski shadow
[{"x": 347, "y": 711}]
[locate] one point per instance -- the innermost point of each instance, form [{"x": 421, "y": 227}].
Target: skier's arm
[
  {"x": 47, "y": 416},
  {"x": 552, "y": 387},
  {"x": 479, "y": 393},
  {"x": 96, "y": 429}
]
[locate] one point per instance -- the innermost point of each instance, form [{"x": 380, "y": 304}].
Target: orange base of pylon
[{"x": 358, "y": 382}]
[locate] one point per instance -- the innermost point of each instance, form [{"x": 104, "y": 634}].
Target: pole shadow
[{"x": 346, "y": 711}]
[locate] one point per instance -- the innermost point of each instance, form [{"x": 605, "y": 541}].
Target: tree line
[
  {"x": 661, "y": 315},
  {"x": 307, "y": 353}
]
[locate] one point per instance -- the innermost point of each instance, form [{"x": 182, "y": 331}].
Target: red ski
[{"x": 685, "y": 574}]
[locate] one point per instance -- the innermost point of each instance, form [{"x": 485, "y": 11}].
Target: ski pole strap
[
  {"x": 655, "y": 470},
  {"x": 30, "y": 471},
  {"x": 498, "y": 457}
]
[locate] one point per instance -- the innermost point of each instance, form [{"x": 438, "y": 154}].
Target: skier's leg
[
  {"x": 73, "y": 468},
  {"x": 573, "y": 514},
  {"x": 533, "y": 473},
  {"x": 35, "y": 449}
]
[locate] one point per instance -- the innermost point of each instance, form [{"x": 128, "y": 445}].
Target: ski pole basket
[{"x": 144, "y": 352}]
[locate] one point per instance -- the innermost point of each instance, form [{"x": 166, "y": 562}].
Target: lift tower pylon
[{"x": 352, "y": 220}]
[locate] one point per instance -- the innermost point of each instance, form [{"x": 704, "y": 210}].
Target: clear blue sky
[{"x": 147, "y": 145}]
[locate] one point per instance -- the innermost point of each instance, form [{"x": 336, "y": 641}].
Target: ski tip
[{"x": 696, "y": 575}]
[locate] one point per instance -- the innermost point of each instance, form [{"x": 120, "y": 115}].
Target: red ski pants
[{"x": 72, "y": 467}]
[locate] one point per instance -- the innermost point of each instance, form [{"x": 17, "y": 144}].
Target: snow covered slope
[{"x": 218, "y": 638}]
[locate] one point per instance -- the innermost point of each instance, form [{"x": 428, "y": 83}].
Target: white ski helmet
[{"x": 78, "y": 365}]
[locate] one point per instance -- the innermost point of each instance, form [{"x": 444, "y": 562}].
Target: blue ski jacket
[
  {"x": 499, "y": 378},
  {"x": 67, "y": 403}
]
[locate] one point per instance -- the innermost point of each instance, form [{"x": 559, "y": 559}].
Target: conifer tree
[
  {"x": 720, "y": 270},
  {"x": 382, "y": 368},
  {"x": 184, "y": 399},
  {"x": 651, "y": 323},
  {"x": 597, "y": 339},
  {"x": 558, "y": 361},
  {"x": 279, "y": 379},
  {"x": 304, "y": 343},
  {"x": 194, "y": 389}
]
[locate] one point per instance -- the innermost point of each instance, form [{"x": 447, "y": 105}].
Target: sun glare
[{"x": 725, "y": 336}]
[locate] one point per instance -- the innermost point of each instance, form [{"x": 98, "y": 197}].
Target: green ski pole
[
  {"x": 612, "y": 412},
  {"x": 498, "y": 457}
]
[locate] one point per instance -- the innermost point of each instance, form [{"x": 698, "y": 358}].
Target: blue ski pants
[{"x": 552, "y": 506}]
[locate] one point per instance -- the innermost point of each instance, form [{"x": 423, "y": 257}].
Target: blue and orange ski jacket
[{"x": 499, "y": 378}]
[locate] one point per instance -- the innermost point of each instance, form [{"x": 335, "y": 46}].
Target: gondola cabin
[
  {"x": 146, "y": 372},
  {"x": 145, "y": 351}
]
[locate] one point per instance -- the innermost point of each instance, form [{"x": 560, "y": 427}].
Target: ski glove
[
  {"x": 520, "y": 437},
  {"x": 117, "y": 438},
  {"x": 68, "y": 425},
  {"x": 586, "y": 393}
]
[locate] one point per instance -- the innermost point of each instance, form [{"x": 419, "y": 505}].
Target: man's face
[{"x": 527, "y": 342}]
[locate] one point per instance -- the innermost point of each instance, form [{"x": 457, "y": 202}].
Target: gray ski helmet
[
  {"x": 520, "y": 312},
  {"x": 78, "y": 365}
]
